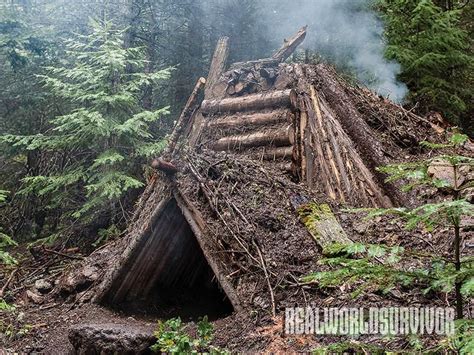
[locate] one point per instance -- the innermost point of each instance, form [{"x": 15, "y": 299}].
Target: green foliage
[
  {"x": 369, "y": 268},
  {"x": 172, "y": 338},
  {"x": 434, "y": 52},
  {"x": 106, "y": 234},
  {"x": 5, "y": 240},
  {"x": 5, "y": 307},
  {"x": 417, "y": 173},
  {"x": 105, "y": 130},
  {"x": 429, "y": 216},
  {"x": 3, "y": 196},
  {"x": 5, "y": 257}
]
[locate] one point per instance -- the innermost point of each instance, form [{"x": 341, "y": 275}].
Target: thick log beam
[
  {"x": 290, "y": 45},
  {"x": 257, "y": 119},
  {"x": 218, "y": 64},
  {"x": 274, "y": 99},
  {"x": 278, "y": 153},
  {"x": 219, "y": 61},
  {"x": 280, "y": 137}
]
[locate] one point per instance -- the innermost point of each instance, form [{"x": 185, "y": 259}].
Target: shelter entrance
[{"x": 168, "y": 274}]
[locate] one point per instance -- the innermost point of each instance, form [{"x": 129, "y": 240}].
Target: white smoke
[{"x": 345, "y": 32}]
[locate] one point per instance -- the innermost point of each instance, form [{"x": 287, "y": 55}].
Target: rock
[
  {"x": 43, "y": 286},
  {"x": 79, "y": 279},
  {"x": 111, "y": 339},
  {"x": 33, "y": 296}
]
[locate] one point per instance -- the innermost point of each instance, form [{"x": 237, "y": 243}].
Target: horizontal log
[
  {"x": 278, "y": 153},
  {"x": 280, "y": 137},
  {"x": 164, "y": 166},
  {"x": 274, "y": 99},
  {"x": 257, "y": 119}
]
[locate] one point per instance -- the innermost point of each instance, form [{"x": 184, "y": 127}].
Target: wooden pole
[
  {"x": 290, "y": 45},
  {"x": 189, "y": 108}
]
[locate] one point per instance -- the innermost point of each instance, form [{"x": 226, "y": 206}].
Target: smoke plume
[{"x": 344, "y": 32}]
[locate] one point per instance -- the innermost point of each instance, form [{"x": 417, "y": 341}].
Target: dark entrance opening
[{"x": 168, "y": 275}]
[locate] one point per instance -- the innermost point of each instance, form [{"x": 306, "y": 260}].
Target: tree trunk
[
  {"x": 368, "y": 144},
  {"x": 218, "y": 64}
]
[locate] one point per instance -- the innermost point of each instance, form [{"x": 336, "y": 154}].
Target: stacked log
[
  {"x": 278, "y": 138},
  {"x": 255, "y": 119},
  {"x": 255, "y": 102}
]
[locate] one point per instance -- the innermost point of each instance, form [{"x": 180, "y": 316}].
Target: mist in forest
[{"x": 346, "y": 33}]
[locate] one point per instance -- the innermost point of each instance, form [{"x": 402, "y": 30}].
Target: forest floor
[{"x": 42, "y": 324}]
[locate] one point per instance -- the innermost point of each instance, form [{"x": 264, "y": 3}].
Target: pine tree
[
  {"x": 96, "y": 144},
  {"x": 434, "y": 53}
]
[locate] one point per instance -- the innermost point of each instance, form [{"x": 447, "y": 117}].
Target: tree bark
[
  {"x": 285, "y": 98},
  {"x": 218, "y": 64},
  {"x": 280, "y": 137},
  {"x": 369, "y": 146},
  {"x": 260, "y": 63},
  {"x": 320, "y": 223},
  {"x": 278, "y": 153},
  {"x": 164, "y": 166},
  {"x": 257, "y": 119}
]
